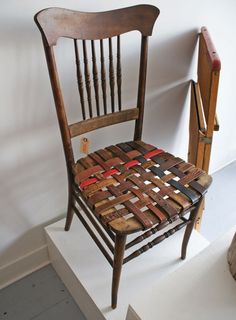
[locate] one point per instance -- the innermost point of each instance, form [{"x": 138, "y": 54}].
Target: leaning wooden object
[
  {"x": 203, "y": 118},
  {"x": 132, "y": 186}
]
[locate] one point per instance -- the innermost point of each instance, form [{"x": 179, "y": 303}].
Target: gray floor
[
  {"x": 220, "y": 212},
  {"x": 42, "y": 295},
  {"x": 39, "y": 296}
]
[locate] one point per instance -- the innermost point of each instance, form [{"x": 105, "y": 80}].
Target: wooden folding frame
[
  {"x": 132, "y": 186},
  {"x": 203, "y": 118}
]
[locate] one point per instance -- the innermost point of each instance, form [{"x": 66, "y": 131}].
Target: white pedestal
[
  {"x": 87, "y": 274},
  {"x": 203, "y": 289}
]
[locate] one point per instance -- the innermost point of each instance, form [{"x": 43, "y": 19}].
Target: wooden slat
[
  {"x": 199, "y": 106},
  {"x": 87, "y": 78},
  {"x": 103, "y": 77},
  {"x": 118, "y": 73},
  {"x": 103, "y": 121},
  {"x": 193, "y": 152},
  {"x": 79, "y": 79},
  {"x": 200, "y": 150},
  {"x": 111, "y": 76},
  {"x": 95, "y": 77},
  {"x": 207, "y": 156}
]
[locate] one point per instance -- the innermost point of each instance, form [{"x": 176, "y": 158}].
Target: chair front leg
[
  {"x": 189, "y": 228},
  {"x": 117, "y": 266}
]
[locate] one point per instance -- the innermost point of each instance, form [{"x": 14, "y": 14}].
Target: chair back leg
[
  {"x": 189, "y": 228},
  {"x": 70, "y": 211}
]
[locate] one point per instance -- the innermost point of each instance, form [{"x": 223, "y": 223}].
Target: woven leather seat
[{"x": 133, "y": 186}]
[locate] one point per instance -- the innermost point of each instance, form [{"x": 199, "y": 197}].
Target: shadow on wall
[
  {"x": 170, "y": 70},
  {"x": 32, "y": 165},
  {"x": 33, "y": 176},
  {"x": 170, "y": 61},
  {"x": 164, "y": 126},
  {"x": 32, "y": 194}
]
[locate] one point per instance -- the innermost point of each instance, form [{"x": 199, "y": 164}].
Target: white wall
[{"x": 32, "y": 170}]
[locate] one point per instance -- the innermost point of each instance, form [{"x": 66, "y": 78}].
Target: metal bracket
[{"x": 206, "y": 140}]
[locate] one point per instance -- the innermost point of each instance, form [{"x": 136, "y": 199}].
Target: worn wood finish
[
  {"x": 141, "y": 88},
  {"x": 79, "y": 79},
  {"x": 103, "y": 121},
  {"x": 156, "y": 241},
  {"x": 117, "y": 266},
  {"x": 197, "y": 128},
  {"x": 103, "y": 77},
  {"x": 118, "y": 73},
  {"x": 70, "y": 211},
  {"x": 198, "y": 220},
  {"x": 107, "y": 188},
  {"x": 58, "y": 22},
  {"x": 203, "y": 119},
  {"x": 111, "y": 76},
  {"x": 193, "y": 216},
  {"x": 87, "y": 79},
  {"x": 208, "y": 76},
  {"x": 199, "y": 108},
  {"x": 95, "y": 78},
  {"x": 60, "y": 107}
]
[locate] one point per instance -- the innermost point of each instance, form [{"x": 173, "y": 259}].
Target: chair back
[{"x": 89, "y": 33}]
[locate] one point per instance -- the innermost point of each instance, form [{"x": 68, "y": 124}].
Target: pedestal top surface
[{"x": 202, "y": 289}]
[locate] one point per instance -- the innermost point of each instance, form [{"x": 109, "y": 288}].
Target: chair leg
[
  {"x": 117, "y": 266},
  {"x": 197, "y": 224},
  {"x": 189, "y": 229},
  {"x": 70, "y": 211}
]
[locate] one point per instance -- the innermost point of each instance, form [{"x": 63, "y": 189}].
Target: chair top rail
[{"x": 58, "y": 22}]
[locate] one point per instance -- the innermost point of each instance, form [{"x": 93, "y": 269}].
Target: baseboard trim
[{"x": 21, "y": 267}]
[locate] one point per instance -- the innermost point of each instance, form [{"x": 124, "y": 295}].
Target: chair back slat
[
  {"x": 118, "y": 73},
  {"x": 103, "y": 77},
  {"x": 79, "y": 79},
  {"x": 87, "y": 78},
  {"x": 95, "y": 77},
  {"x": 111, "y": 76}
]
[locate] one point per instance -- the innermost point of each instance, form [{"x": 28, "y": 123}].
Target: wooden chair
[
  {"x": 203, "y": 119},
  {"x": 132, "y": 186}
]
